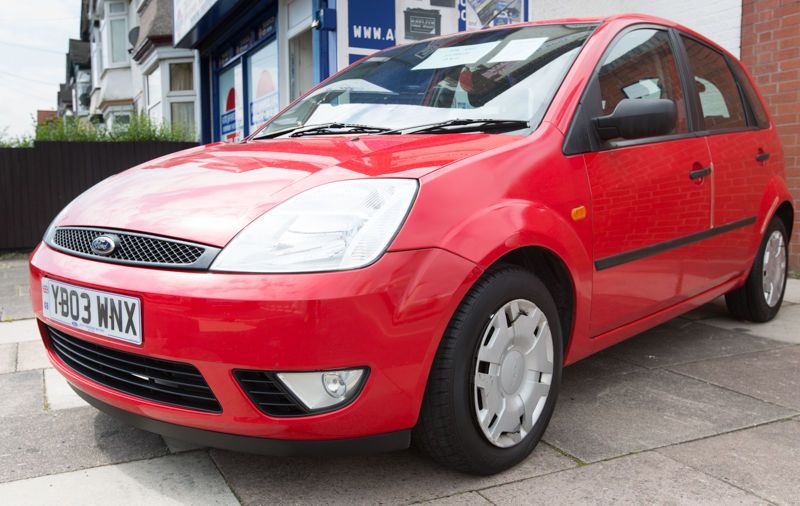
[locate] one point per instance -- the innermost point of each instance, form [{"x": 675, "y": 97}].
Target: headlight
[
  {"x": 333, "y": 227},
  {"x": 51, "y": 229}
]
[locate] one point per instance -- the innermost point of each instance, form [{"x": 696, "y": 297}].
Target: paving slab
[
  {"x": 785, "y": 327},
  {"x": 32, "y": 355},
  {"x": 178, "y": 446},
  {"x": 714, "y": 309},
  {"x": 772, "y": 376},
  {"x": 58, "y": 393},
  {"x": 679, "y": 341},
  {"x": 15, "y": 301},
  {"x": 67, "y": 440},
  {"x": 394, "y": 478},
  {"x": 764, "y": 460},
  {"x": 465, "y": 499},
  {"x": 176, "y": 479},
  {"x": 646, "y": 478},
  {"x": 18, "y": 331},
  {"x": 609, "y": 417},
  {"x": 22, "y": 394},
  {"x": 792, "y": 293},
  {"x": 8, "y": 358},
  {"x": 600, "y": 365}
]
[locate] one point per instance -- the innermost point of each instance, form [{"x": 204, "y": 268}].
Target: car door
[
  {"x": 648, "y": 195},
  {"x": 730, "y": 117}
]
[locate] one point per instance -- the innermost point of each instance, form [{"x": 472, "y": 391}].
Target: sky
[{"x": 33, "y": 47}]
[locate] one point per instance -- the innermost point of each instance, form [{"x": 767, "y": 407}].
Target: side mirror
[{"x": 638, "y": 118}]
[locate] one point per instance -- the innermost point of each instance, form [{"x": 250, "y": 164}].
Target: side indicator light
[{"x": 578, "y": 213}]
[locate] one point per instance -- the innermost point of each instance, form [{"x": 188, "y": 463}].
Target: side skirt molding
[{"x": 637, "y": 254}]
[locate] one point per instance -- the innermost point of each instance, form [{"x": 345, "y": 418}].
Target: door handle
[
  {"x": 762, "y": 156},
  {"x": 700, "y": 173}
]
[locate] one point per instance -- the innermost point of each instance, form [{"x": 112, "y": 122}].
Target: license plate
[{"x": 107, "y": 314}]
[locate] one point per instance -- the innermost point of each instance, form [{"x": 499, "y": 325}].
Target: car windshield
[{"x": 508, "y": 74}]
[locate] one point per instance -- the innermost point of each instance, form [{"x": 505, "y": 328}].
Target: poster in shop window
[{"x": 377, "y": 25}]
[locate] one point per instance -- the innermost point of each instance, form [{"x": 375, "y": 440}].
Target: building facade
[{"x": 125, "y": 64}]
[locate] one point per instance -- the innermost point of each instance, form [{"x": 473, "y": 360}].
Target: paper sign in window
[
  {"x": 518, "y": 49},
  {"x": 457, "y": 55}
]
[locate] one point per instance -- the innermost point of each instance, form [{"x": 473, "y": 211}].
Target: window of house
[
  {"x": 182, "y": 114},
  {"x": 97, "y": 59},
  {"x": 181, "y": 76},
  {"x": 153, "y": 94},
  {"x": 641, "y": 65},
  {"x": 116, "y": 28},
  {"x": 720, "y": 100}
]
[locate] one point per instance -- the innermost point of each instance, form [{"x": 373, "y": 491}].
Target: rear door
[
  {"x": 729, "y": 115},
  {"x": 644, "y": 203}
]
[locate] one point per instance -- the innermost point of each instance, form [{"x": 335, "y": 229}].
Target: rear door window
[{"x": 721, "y": 103}]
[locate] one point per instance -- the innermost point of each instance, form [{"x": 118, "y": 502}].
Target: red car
[{"x": 417, "y": 247}]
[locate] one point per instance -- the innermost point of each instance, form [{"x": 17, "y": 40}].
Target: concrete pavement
[{"x": 701, "y": 410}]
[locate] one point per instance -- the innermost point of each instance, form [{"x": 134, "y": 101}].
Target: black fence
[{"x": 36, "y": 183}]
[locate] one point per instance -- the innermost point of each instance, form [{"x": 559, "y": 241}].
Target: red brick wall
[{"x": 771, "y": 51}]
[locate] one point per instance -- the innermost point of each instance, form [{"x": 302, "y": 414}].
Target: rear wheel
[
  {"x": 760, "y": 299},
  {"x": 493, "y": 384}
]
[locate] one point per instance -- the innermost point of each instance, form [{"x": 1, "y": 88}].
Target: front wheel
[
  {"x": 759, "y": 300},
  {"x": 493, "y": 385}
]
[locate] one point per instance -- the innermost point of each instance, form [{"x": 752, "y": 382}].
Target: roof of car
[{"x": 630, "y": 18}]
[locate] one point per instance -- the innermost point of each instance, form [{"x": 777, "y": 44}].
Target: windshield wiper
[
  {"x": 339, "y": 128},
  {"x": 463, "y": 125},
  {"x": 324, "y": 128}
]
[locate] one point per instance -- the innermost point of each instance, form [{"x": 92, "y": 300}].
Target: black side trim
[
  {"x": 379, "y": 443},
  {"x": 638, "y": 254}
]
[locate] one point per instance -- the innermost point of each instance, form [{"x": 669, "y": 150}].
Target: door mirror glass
[{"x": 638, "y": 118}]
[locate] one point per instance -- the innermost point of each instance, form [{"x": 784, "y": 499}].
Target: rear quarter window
[{"x": 760, "y": 118}]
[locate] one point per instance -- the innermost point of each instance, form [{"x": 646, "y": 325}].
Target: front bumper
[{"x": 387, "y": 317}]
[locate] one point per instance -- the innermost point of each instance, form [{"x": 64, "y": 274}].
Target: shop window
[
  {"x": 262, "y": 67},
  {"x": 230, "y": 103},
  {"x": 181, "y": 76}
]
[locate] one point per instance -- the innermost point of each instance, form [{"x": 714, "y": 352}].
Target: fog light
[
  {"x": 321, "y": 390},
  {"x": 335, "y": 384}
]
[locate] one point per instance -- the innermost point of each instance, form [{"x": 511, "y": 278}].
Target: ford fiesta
[{"x": 417, "y": 247}]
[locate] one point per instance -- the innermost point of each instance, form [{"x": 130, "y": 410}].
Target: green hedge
[{"x": 72, "y": 129}]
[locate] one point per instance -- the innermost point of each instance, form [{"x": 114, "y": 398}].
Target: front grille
[
  {"x": 134, "y": 248},
  {"x": 268, "y": 393},
  {"x": 173, "y": 383}
]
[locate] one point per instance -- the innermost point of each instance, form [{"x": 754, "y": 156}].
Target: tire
[
  {"x": 449, "y": 429},
  {"x": 749, "y": 302}
]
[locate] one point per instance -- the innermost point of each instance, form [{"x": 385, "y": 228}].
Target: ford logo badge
[{"x": 104, "y": 245}]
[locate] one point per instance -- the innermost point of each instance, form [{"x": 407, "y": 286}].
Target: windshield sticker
[
  {"x": 458, "y": 55},
  {"x": 518, "y": 49}
]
